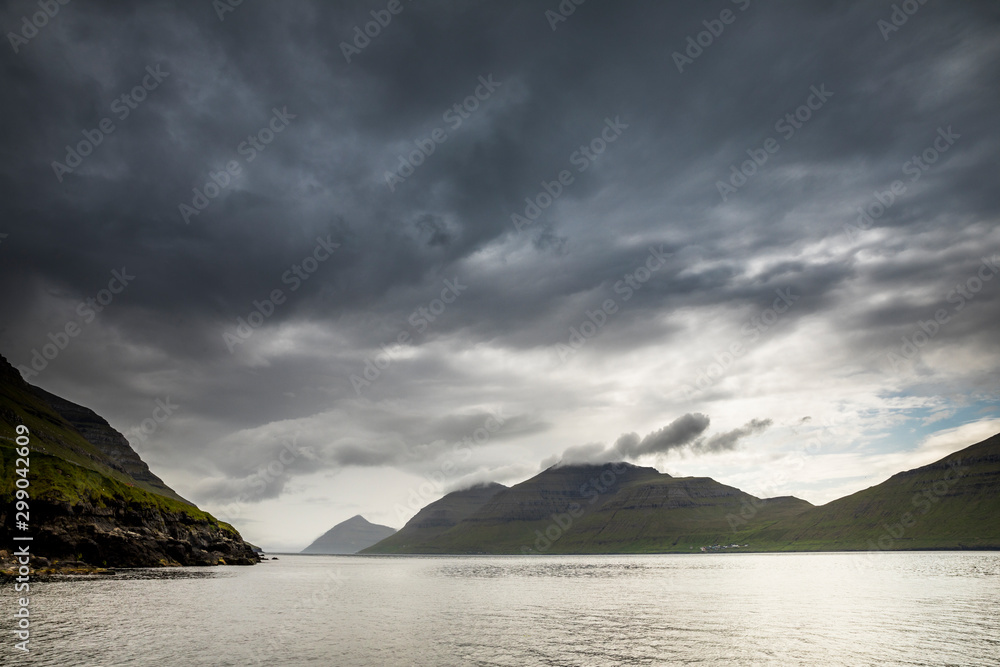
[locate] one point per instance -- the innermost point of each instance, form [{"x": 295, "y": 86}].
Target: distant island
[
  {"x": 622, "y": 508},
  {"x": 349, "y": 537},
  {"x": 94, "y": 503}
]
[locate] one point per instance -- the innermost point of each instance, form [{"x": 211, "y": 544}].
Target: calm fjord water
[{"x": 740, "y": 609}]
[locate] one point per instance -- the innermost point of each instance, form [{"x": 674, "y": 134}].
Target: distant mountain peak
[{"x": 349, "y": 536}]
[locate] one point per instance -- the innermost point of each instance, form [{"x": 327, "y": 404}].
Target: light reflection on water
[{"x": 749, "y": 609}]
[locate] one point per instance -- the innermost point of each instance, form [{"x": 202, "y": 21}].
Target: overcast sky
[{"x": 753, "y": 241}]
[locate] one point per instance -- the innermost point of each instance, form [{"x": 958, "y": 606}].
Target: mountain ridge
[
  {"x": 952, "y": 503},
  {"x": 436, "y": 518},
  {"x": 113, "y": 444},
  {"x": 92, "y": 498}
]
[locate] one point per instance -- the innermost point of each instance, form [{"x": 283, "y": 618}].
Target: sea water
[{"x": 928, "y": 608}]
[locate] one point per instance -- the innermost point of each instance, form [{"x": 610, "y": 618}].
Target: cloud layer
[{"x": 683, "y": 435}]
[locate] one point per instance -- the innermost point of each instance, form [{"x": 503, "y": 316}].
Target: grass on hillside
[
  {"x": 65, "y": 466},
  {"x": 58, "y": 480}
]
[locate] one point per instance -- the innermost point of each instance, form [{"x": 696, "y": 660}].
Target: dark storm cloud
[
  {"x": 729, "y": 440},
  {"x": 678, "y": 433},
  {"x": 684, "y": 434},
  {"x": 324, "y": 175},
  {"x": 241, "y": 245}
]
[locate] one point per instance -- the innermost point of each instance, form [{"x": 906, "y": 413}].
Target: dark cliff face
[
  {"x": 93, "y": 499},
  {"x": 112, "y": 444},
  {"x": 127, "y": 534},
  {"x": 552, "y": 490}
]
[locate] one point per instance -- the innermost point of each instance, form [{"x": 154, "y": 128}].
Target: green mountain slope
[
  {"x": 612, "y": 508},
  {"x": 92, "y": 498},
  {"x": 953, "y": 503},
  {"x": 674, "y": 514},
  {"x": 117, "y": 452},
  {"x": 420, "y": 532},
  {"x": 621, "y": 508}
]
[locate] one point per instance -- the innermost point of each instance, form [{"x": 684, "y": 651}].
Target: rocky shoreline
[
  {"x": 93, "y": 503},
  {"x": 124, "y": 534},
  {"x": 43, "y": 570}
]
